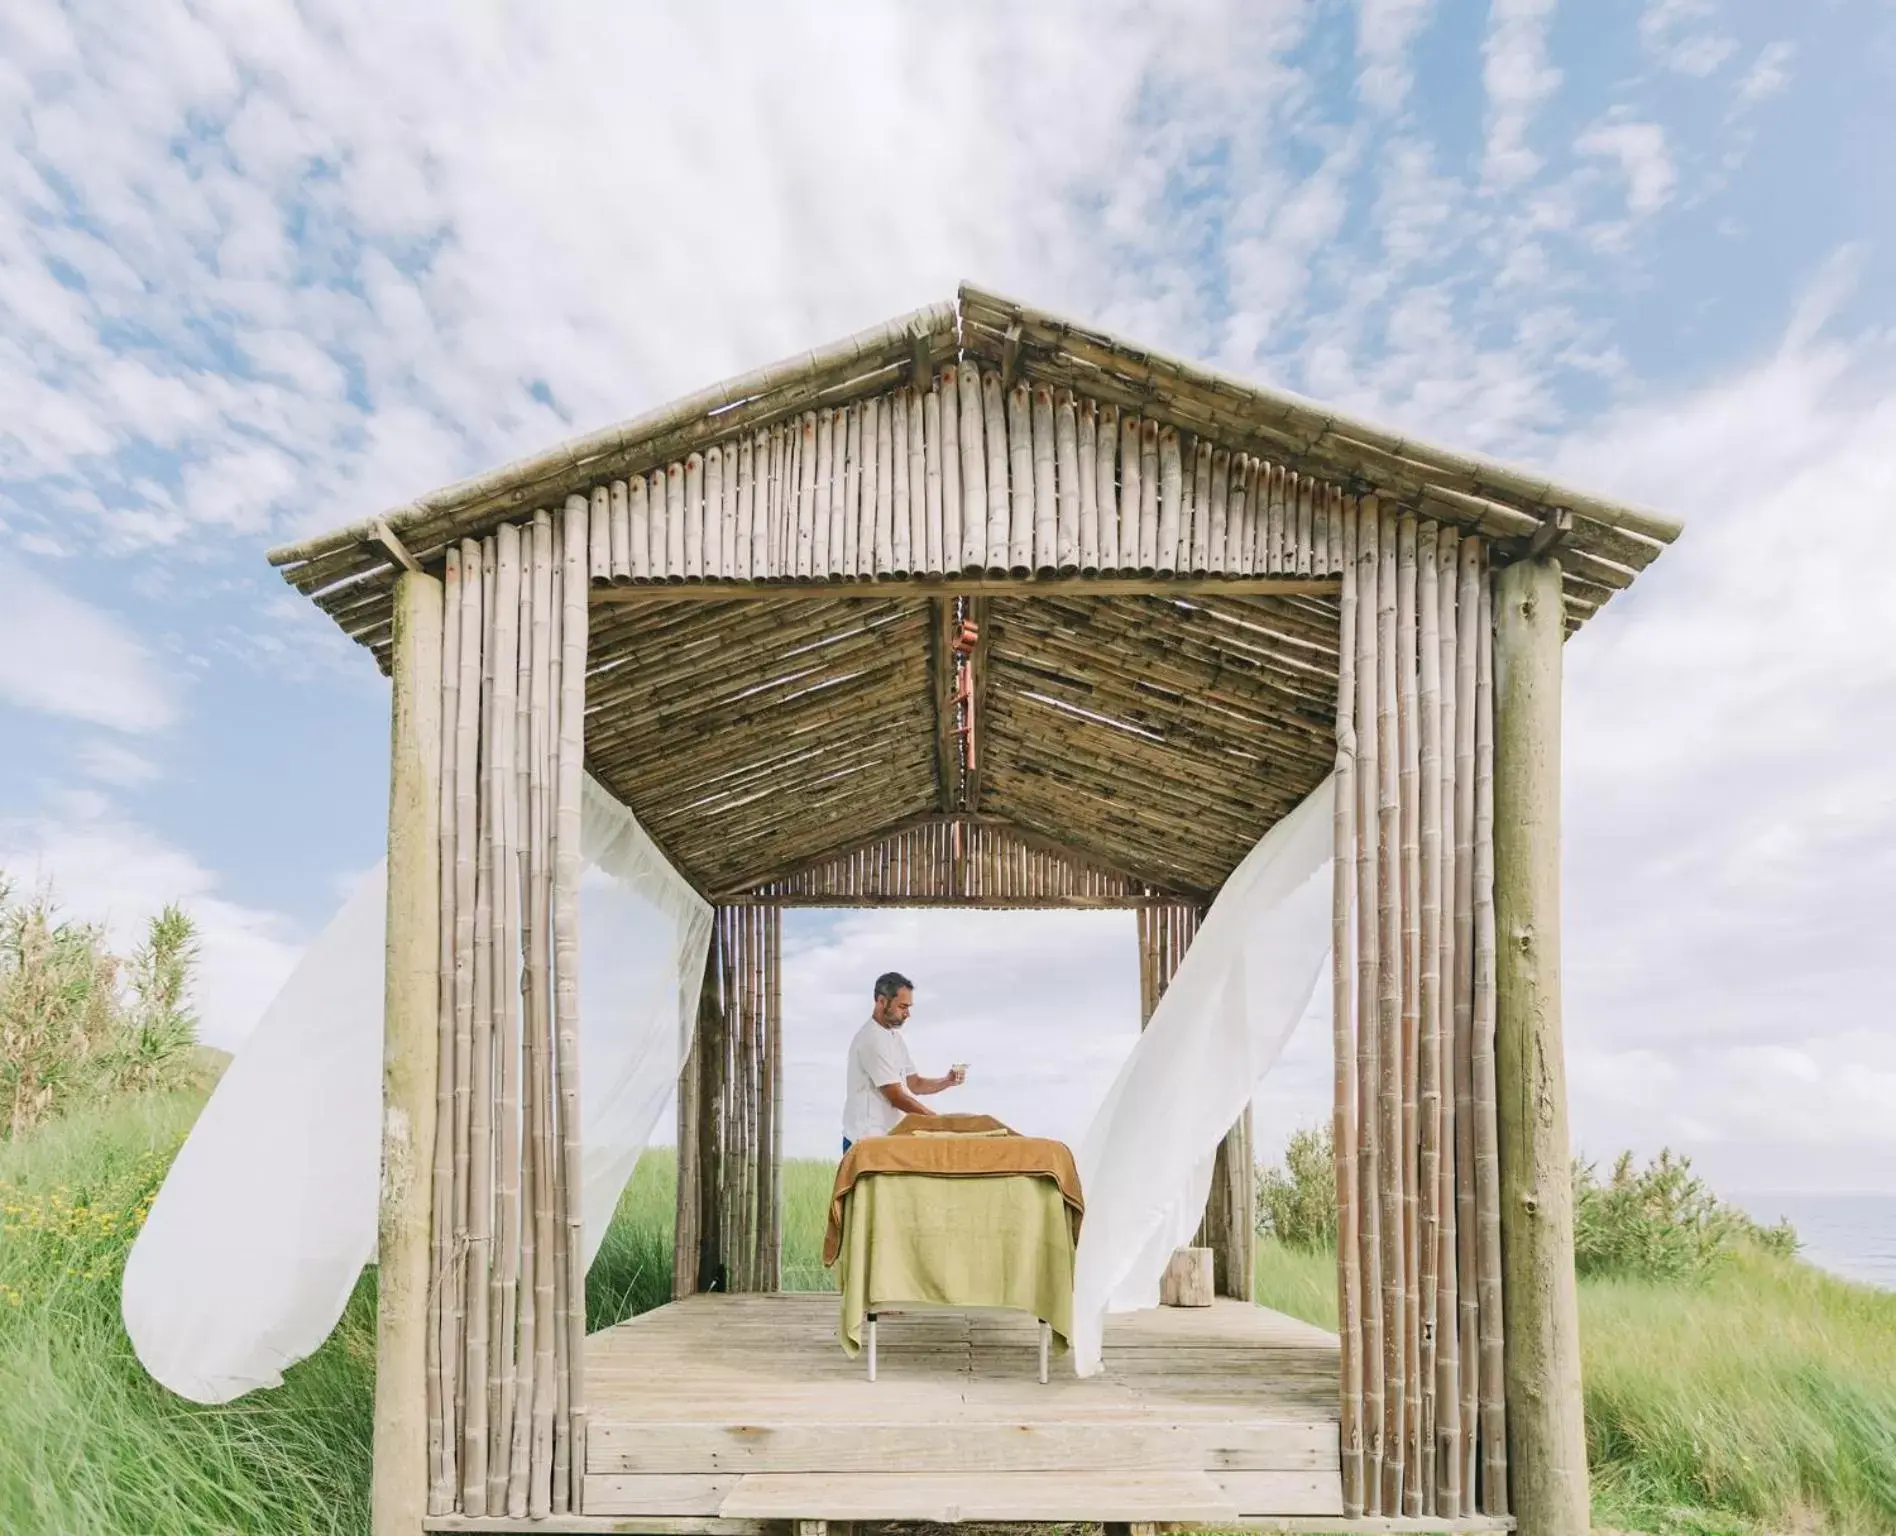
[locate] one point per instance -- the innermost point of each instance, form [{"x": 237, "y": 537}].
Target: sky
[{"x": 266, "y": 268}]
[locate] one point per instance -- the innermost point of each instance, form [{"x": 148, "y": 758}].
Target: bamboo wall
[
  {"x": 506, "y": 1326},
  {"x": 730, "y": 1114},
  {"x": 968, "y": 476},
  {"x": 1419, "y": 1258},
  {"x": 958, "y": 860}
]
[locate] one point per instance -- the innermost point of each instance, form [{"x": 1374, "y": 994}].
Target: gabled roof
[
  {"x": 1148, "y": 712},
  {"x": 1603, "y": 544}
]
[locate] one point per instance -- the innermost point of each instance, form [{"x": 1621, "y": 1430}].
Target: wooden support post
[
  {"x": 1230, "y": 1223},
  {"x": 690, "y": 1199},
  {"x": 1545, "y": 1415},
  {"x": 710, "y": 1053},
  {"x": 399, "y": 1488}
]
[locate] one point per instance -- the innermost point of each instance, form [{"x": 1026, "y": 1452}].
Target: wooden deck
[{"x": 745, "y": 1409}]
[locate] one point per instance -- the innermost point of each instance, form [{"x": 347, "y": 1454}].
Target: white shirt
[{"x": 877, "y": 1057}]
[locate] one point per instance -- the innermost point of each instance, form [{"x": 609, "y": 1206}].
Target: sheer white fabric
[
  {"x": 1146, "y": 1160},
  {"x": 268, "y": 1214}
]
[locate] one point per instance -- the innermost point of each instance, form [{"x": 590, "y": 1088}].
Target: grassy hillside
[{"x": 1762, "y": 1398}]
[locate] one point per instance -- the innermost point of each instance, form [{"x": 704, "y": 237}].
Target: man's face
[{"x": 894, "y": 1011}]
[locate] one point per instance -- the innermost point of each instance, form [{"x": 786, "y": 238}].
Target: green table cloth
[{"x": 945, "y": 1241}]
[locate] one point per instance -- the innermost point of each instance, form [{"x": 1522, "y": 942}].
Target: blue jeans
[{"x": 847, "y": 1144}]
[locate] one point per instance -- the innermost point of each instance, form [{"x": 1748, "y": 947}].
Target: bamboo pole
[
  {"x": 1086, "y": 483},
  {"x": 1389, "y": 1061},
  {"x": 885, "y": 488},
  {"x": 974, "y": 459},
  {"x": 548, "y": 1271},
  {"x": 1222, "y": 558},
  {"x": 1448, "y": 1421},
  {"x": 467, "y": 923},
  {"x": 638, "y": 522},
  {"x": 1149, "y": 491},
  {"x": 916, "y": 449},
  {"x": 846, "y": 546},
  {"x": 1020, "y": 463},
  {"x": 1543, "y": 1383},
  {"x": 1408, "y": 790},
  {"x": 994, "y": 429},
  {"x": 822, "y": 467},
  {"x": 1429, "y": 963},
  {"x": 677, "y": 538},
  {"x": 757, "y": 505},
  {"x": 599, "y": 555},
  {"x": 948, "y": 386},
  {"x": 1171, "y": 499},
  {"x": 1064, "y": 480},
  {"x": 1494, "y": 1483},
  {"x": 773, "y": 1020},
  {"x": 806, "y": 506},
  {"x": 1198, "y": 542},
  {"x": 901, "y": 556},
  {"x": 441, "y": 1197},
  {"x": 1046, "y": 488},
  {"x": 1132, "y": 546},
  {"x": 618, "y": 535},
  {"x": 932, "y": 480},
  {"x": 473, "y": 1461},
  {"x": 566, "y": 861},
  {"x": 510, "y": 705},
  {"x": 399, "y": 1483},
  {"x": 1468, "y": 618},
  {"x": 536, "y": 649},
  {"x": 1106, "y": 490},
  {"x": 1368, "y": 984},
  {"x": 1349, "y": 1301},
  {"x": 730, "y": 503}
]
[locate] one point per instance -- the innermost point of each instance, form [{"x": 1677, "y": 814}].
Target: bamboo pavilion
[{"x": 978, "y": 608}]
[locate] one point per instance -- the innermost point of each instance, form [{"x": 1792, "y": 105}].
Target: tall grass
[
  {"x": 79, "y": 1024},
  {"x": 88, "y": 1442},
  {"x": 1761, "y": 1398}
]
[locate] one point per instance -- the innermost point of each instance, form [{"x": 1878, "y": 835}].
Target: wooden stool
[{"x": 1187, "y": 1281}]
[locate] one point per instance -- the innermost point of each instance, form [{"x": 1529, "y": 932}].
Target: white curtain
[
  {"x": 268, "y": 1215},
  {"x": 1146, "y": 1160}
]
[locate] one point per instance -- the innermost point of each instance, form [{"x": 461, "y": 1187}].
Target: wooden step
[{"x": 1169, "y": 1495}]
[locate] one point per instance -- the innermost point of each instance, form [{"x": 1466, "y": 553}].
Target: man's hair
[{"x": 891, "y": 982}]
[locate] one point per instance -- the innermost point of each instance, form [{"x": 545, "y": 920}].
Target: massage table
[{"x": 954, "y": 1211}]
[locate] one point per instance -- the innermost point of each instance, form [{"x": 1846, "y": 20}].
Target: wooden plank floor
[{"x": 746, "y": 1408}]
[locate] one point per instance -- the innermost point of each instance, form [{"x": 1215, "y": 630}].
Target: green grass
[{"x": 1763, "y": 1399}]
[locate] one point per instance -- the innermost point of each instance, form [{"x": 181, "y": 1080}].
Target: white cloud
[
  {"x": 1519, "y": 78},
  {"x": 1639, "y": 149},
  {"x": 1768, "y": 76},
  {"x": 328, "y": 256},
  {"x": 104, "y": 868},
  {"x": 65, "y": 657},
  {"x": 1731, "y": 829},
  {"x": 111, "y": 763},
  {"x": 1385, "y": 32},
  {"x": 1682, "y": 35}
]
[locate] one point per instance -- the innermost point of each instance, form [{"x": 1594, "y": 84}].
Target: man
[{"x": 883, "y": 1083}]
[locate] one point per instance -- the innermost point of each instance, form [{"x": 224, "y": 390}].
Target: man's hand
[
  {"x": 918, "y": 1084},
  {"x": 899, "y": 1095}
]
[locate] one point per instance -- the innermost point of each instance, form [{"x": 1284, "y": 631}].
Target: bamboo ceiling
[{"x": 1149, "y": 551}]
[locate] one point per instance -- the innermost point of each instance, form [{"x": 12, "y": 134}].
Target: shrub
[
  {"x": 77, "y": 1024},
  {"x": 1296, "y": 1204},
  {"x": 1660, "y": 1222}
]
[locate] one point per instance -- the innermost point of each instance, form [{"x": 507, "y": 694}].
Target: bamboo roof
[{"x": 1144, "y": 707}]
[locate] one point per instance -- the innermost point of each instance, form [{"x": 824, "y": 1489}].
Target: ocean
[{"x": 1849, "y": 1235}]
